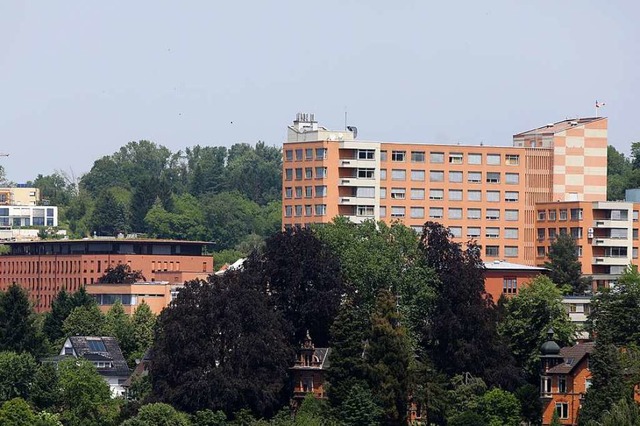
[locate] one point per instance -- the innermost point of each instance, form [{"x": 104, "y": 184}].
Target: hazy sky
[{"x": 79, "y": 79}]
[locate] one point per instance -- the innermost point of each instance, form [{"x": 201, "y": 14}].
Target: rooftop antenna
[{"x": 345, "y": 117}]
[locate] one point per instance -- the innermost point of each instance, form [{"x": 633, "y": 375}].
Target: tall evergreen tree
[
  {"x": 461, "y": 335},
  {"x": 61, "y": 307},
  {"x": 388, "y": 356},
  {"x": 118, "y": 324},
  {"x": 609, "y": 384},
  {"x": 564, "y": 267},
  {"x": 18, "y": 330},
  {"x": 347, "y": 368},
  {"x": 143, "y": 322}
]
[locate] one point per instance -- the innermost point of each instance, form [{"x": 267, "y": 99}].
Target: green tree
[
  {"x": 209, "y": 418},
  {"x": 61, "y": 307},
  {"x": 530, "y": 404},
  {"x": 359, "y": 408},
  {"x": 56, "y": 188},
  {"x": 233, "y": 356},
  {"x": 465, "y": 394},
  {"x": 500, "y": 408},
  {"x": 82, "y": 298},
  {"x": 143, "y": 323},
  {"x": 85, "y": 396},
  {"x": 555, "y": 419},
  {"x": 467, "y": 418},
  {"x": 18, "y": 330},
  {"x": 608, "y": 382},
  {"x": 623, "y": 412},
  {"x": 45, "y": 388},
  {"x": 388, "y": 356},
  {"x": 229, "y": 217},
  {"x": 375, "y": 256},
  {"x": 84, "y": 321},
  {"x": 158, "y": 414},
  {"x": 110, "y": 216},
  {"x": 17, "y": 372},
  {"x": 183, "y": 224},
  {"x": 618, "y": 174},
  {"x": 45, "y": 418},
  {"x": 255, "y": 173},
  {"x": 527, "y": 317},
  {"x": 16, "y": 412},
  {"x": 635, "y": 155},
  {"x": 461, "y": 335},
  {"x": 564, "y": 267},
  {"x": 118, "y": 324},
  {"x": 349, "y": 332},
  {"x": 615, "y": 312}
]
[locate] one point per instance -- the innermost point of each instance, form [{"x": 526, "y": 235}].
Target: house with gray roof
[{"x": 104, "y": 353}]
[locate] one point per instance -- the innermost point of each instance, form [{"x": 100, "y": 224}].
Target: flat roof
[
  {"x": 500, "y": 265},
  {"x": 559, "y": 126},
  {"x": 110, "y": 240}
]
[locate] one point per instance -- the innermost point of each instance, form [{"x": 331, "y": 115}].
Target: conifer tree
[
  {"x": 388, "y": 356},
  {"x": 118, "y": 324},
  {"x": 143, "y": 321},
  {"x": 564, "y": 267},
  {"x": 18, "y": 330},
  {"x": 348, "y": 368},
  {"x": 61, "y": 307}
]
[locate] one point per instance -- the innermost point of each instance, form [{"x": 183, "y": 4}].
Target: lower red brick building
[
  {"x": 507, "y": 278},
  {"x": 46, "y": 267}
]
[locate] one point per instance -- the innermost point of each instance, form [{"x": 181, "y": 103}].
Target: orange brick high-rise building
[{"x": 486, "y": 193}]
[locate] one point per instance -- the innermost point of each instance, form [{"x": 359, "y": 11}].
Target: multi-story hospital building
[{"x": 487, "y": 193}]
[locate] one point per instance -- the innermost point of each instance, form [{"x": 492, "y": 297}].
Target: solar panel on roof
[{"x": 96, "y": 345}]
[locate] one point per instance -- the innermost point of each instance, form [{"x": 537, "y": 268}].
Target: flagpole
[{"x": 596, "y": 109}]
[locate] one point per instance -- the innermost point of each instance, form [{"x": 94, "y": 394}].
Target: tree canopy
[
  {"x": 235, "y": 354},
  {"x": 564, "y": 267}
]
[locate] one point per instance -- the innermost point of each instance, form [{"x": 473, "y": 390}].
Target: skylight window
[{"x": 96, "y": 345}]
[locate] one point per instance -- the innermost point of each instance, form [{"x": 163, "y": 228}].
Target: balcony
[
  {"x": 359, "y": 219},
  {"x": 611, "y": 260},
  {"x": 608, "y": 223},
  {"x": 609, "y": 242}
]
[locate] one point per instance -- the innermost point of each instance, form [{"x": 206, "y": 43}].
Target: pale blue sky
[{"x": 79, "y": 79}]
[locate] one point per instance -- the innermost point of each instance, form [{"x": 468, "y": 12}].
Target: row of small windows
[
  {"x": 401, "y": 175},
  {"x": 577, "y": 232},
  {"x": 576, "y": 214},
  {"x": 454, "y": 176},
  {"x": 307, "y": 210},
  {"x": 320, "y": 154},
  {"x": 452, "y": 158},
  {"x": 452, "y": 213},
  {"x": 320, "y": 173},
  {"x": 452, "y": 194},
  {"x": 307, "y": 191}
]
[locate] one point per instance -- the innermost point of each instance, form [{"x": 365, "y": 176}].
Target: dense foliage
[
  {"x": 410, "y": 326},
  {"x": 224, "y": 195}
]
